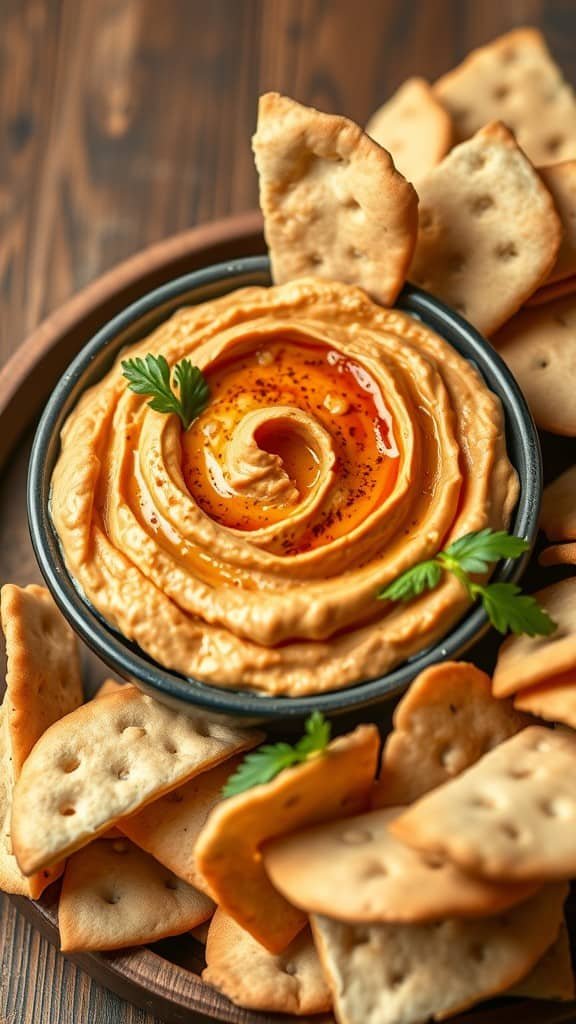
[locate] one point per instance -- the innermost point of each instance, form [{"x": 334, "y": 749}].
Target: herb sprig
[
  {"x": 507, "y": 608},
  {"x": 268, "y": 761},
  {"x": 151, "y": 376}
]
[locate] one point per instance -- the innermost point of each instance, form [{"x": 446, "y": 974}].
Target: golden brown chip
[
  {"x": 559, "y": 554},
  {"x": 560, "y": 180},
  {"x": 558, "y": 513},
  {"x": 514, "y": 79},
  {"x": 108, "y": 686},
  {"x": 539, "y": 346},
  {"x": 508, "y": 818},
  {"x": 43, "y": 680},
  {"x": 245, "y": 972},
  {"x": 104, "y": 761},
  {"x": 413, "y": 127},
  {"x": 524, "y": 661},
  {"x": 487, "y": 226},
  {"x": 445, "y": 722},
  {"x": 553, "y": 699},
  {"x": 115, "y": 895},
  {"x": 43, "y": 683},
  {"x": 330, "y": 195},
  {"x": 387, "y": 973},
  {"x": 169, "y": 827},
  {"x": 331, "y": 785},
  {"x": 355, "y": 870}
]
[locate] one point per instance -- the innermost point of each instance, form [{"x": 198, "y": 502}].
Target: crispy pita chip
[
  {"x": 355, "y": 870},
  {"x": 115, "y": 895},
  {"x": 43, "y": 679},
  {"x": 228, "y": 849},
  {"x": 524, "y": 661},
  {"x": 245, "y": 972},
  {"x": 334, "y": 205},
  {"x": 169, "y": 827},
  {"x": 554, "y": 699},
  {"x": 560, "y": 180},
  {"x": 383, "y": 974},
  {"x": 514, "y": 79},
  {"x": 559, "y": 554},
  {"x": 104, "y": 761},
  {"x": 43, "y": 683},
  {"x": 447, "y": 720},
  {"x": 552, "y": 977},
  {"x": 413, "y": 127},
  {"x": 508, "y": 818},
  {"x": 488, "y": 226},
  {"x": 539, "y": 346},
  {"x": 558, "y": 513}
]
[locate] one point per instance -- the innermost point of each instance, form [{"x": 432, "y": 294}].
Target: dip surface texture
[{"x": 342, "y": 444}]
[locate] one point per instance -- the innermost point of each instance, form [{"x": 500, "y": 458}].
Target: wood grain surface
[{"x": 124, "y": 121}]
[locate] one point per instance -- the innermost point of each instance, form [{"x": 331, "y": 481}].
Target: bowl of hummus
[{"x": 237, "y": 564}]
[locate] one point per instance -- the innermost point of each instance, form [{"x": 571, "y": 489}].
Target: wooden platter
[{"x": 164, "y": 979}]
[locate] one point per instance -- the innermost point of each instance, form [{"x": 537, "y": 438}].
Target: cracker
[
  {"x": 560, "y": 180},
  {"x": 413, "y": 127},
  {"x": 514, "y": 79},
  {"x": 245, "y": 972},
  {"x": 386, "y": 974},
  {"x": 355, "y": 870},
  {"x": 559, "y": 554},
  {"x": 445, "y": 722},
  {"x": 510, "y": 817},
  {"x": 539, "y": 346},
  {"x": 549, "y": 292},
  {"x": 169, "y": 827},
  {"x": 488, "y": 227},
  {"x": 524, "y": 661},
  {"x": 552, "y": 977},
  {"x": 334, "y": 205},
  {"x": 331, "y": 785},
  {"x": 43, "y": 683},
  {"x": 558, "y": 512},
  {"x": 43, "y": 680},
  {"x": 554, "y": 699},
  {"x": 115, "y": 895},
  {"x": 104, "y": 761}
]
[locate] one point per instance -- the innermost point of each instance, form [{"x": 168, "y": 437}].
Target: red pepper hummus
[{"x": 342, "y": 444}]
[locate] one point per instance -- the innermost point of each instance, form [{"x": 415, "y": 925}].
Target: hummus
[{"x": 342, "y": 443}]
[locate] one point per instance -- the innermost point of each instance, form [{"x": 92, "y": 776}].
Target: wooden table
[{"x": 123, "y": 121}]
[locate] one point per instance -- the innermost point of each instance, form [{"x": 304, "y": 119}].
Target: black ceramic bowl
[{"x": 129, "y": 661}]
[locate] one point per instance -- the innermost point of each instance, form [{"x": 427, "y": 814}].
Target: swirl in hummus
[{"x": 342, "y": 444}]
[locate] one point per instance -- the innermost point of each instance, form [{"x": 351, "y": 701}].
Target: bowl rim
[{"x": 123, "y": 656}]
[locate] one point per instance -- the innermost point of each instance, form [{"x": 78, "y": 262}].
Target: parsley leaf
[
  {"x": 507, "y": 608},
  {"x": 414, "y": 581},
  {"x": 151, "y": 376},
  {"x": 510, "y": 610},
  {"x": 267, "y": 762}
]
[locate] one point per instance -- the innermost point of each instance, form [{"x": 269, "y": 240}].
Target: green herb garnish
[
  {"x": 268, "y": 761},
  {"x": 507, "y": 608},
  {"x": 151, "y": 376}
]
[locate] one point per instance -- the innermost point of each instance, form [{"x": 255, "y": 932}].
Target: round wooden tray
[{"x": 164, "y": 979}]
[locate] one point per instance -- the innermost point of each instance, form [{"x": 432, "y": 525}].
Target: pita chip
[
  {"x": 245, "y": 972},
  {"x": 115, "y": 895},
  {"x": 334, "y": 205},
  {"x": 413, "y": 127},
  {"x": 104, "y": 761},
  {"x": 383, "y": 974},
  {"x": 330, "y": 785}
]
